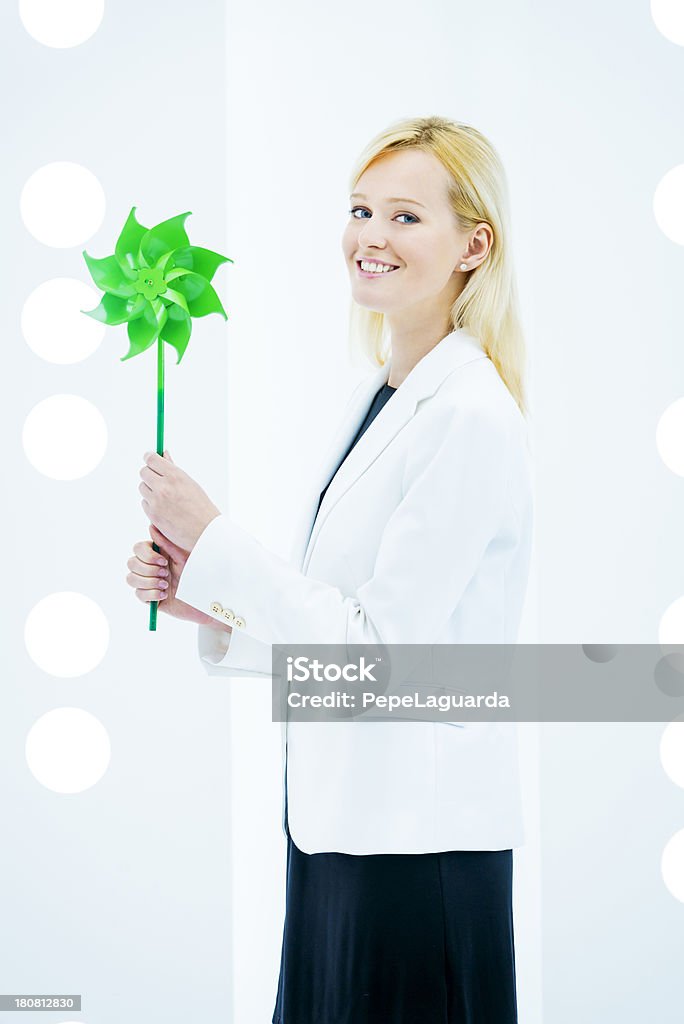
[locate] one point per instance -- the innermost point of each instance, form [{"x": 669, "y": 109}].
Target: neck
[
  {"x": 417, "y": 329},
  {"x": 409, "y": 343}
]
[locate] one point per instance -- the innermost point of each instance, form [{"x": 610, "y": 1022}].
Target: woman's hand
[
  {"x": 154, "y": 581},
  {"x": 174, "y": 503}
]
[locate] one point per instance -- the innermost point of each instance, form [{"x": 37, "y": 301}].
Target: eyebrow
[{"x": 392, "y": 199}]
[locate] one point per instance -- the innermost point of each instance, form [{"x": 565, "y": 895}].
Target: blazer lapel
[
  {"x": 350, "y": 423},
  {"x": 453, "y": 351}
]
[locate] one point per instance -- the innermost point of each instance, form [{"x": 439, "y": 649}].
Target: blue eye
[{"x": 364, "y": 210}]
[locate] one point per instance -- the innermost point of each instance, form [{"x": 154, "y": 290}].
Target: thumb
[
  {"x": 167, "y": 455},
  {"x": 166, "y": 545}
]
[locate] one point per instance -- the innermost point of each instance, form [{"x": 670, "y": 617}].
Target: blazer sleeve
[
  {"x": 237, "y": 653},
  {"x": 454, "y": 501},
  {"x": 233, "y": 654}
]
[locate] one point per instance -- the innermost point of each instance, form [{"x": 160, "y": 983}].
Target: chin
[{"x": 372, "y": 307}]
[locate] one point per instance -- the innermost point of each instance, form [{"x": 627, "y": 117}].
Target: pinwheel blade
[
  {"x": 176, "y": 298},
  {"x": 108, "y": 274},
  {"x": 168, "y": 235},
  {"x": 128, "y": 243},
  {"x": 177, "y": 330},
  {"x": 202, "y": 261},
  {"x": 144, "y": 330},
  {"x": 113, "y": 310},
  {"x": 200, "y": 295}
]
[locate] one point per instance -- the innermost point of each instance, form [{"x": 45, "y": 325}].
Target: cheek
[
  {"x": 349, "y": 245},
  {"x": 429, "y": 262}
]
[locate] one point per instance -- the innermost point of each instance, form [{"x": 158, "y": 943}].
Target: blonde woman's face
[{"x": 419, "y": 237}]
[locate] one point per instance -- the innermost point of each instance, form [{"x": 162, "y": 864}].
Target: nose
[{"x": 371, "y": 234}]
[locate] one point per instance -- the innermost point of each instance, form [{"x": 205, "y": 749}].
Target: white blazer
[{"x": 424, "y": 536}]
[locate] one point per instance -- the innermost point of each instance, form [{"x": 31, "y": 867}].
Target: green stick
[{"x": 160, "y": 446}]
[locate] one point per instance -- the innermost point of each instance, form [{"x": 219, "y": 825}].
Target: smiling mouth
[{"x": 375, "y": 273}]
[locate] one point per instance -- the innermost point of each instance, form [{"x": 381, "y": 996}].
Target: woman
[{"x": 417, "y": 530}]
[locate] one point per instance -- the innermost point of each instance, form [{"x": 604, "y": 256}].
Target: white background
[{"x": 159, "y": 893}]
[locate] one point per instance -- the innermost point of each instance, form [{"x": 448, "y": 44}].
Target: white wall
[
  {"x": 160, "y": 891},
  {"x": 122, "y": 892},
  {"x": 307, "y": 87}
]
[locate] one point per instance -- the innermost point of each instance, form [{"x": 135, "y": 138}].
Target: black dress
[{"x": 397, "y": 938}]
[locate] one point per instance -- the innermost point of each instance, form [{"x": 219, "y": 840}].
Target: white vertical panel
[
  {"x": 121, "y": 893},
  {"x": 307, "y": 88}
]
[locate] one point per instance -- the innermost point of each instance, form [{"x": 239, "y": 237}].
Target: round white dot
[
  {"x": 68, "y": 750},
  {"x": 668, "y": 17},
  {"x": 62, "y": 204},
  {"x": 672, "y": 751},
  {"x": 66, "y": 634},
  {"x": 670, "y": 436},
  {"x": 64, "y": 437},
  {"x": 54, "y": 326},
  {"x": 61, "y": 23},
  {"x": 672, "y": 865},
  {"x": 668, "y": 204}
]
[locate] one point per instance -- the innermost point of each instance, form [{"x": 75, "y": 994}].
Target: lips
[
  {"x": 381, "y": 263},
  {"x": 375, "y": 273}
]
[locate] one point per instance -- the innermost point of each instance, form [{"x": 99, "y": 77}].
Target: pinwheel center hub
[{"x": 150, "y": 282}]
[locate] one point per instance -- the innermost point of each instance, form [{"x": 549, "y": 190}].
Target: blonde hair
[{"x": 488, "y": 304}]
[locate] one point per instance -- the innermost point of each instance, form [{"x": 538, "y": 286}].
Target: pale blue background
[{"x": 158, "y": 894}]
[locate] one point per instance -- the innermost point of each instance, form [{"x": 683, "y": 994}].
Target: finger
[
  {"x": 146, "y": 553},
  {"x": 151, "y": 595},
  {"x": 154, "y": 462},
  {"x": 147, "y": 569},
  {"x": 147, "y": 583},
  {"x": 167, "y": 455}
]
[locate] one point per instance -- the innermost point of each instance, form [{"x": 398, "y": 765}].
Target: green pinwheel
[{"x": 156, "y": 282}]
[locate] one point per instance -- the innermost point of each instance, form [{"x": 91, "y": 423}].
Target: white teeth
[{"x": 375, "y": 268}]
